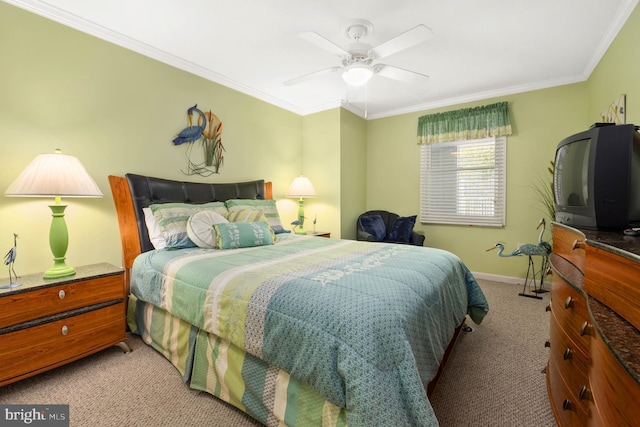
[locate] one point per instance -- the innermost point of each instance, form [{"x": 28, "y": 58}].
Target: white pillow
[
  {"x": 153, "y": 228},
  {"x": 200, "y": 228}
]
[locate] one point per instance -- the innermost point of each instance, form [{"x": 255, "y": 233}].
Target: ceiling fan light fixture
[{"x": 357, "y": 74}]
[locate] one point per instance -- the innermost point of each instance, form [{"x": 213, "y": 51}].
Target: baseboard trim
[{"x": 498, "y": 278}]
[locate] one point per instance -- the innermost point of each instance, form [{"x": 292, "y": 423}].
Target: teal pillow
[
  {"x": 268, "y": 207},
  {"x": 234, "y": 235},
  {"x": 172, "y": 219},
  {"x": 402, "y": 228}
]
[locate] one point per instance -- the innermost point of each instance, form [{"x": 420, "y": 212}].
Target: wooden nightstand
[
  {"x": 319, "y": 234},
  {"x": 48, "y": 323}
]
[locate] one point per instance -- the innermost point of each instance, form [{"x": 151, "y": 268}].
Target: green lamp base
[
  {"x": 59, "y": 270},
  {"x": 59, "y": 241},
  {"x": 300, "y": 230}
]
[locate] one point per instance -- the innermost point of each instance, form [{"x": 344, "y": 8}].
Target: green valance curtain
[{"x": 465, "y": 124}]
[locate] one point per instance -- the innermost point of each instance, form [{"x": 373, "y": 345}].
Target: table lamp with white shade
[
  {"x": 55, "y": 175},
  {"x": 301, "y": 187}
]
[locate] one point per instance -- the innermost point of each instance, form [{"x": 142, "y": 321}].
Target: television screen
[{"x": 572, "y": 173}]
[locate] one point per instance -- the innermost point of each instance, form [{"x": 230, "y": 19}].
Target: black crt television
[{"x": 596, "y": 178}]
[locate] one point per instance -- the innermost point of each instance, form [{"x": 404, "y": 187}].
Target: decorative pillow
[
  {"x": 153, "y": 229},
  {"x": 234, "y": 235},
  {"x": 172, "y": 219},
  {"x": 402, "y": 228},
  {"x": 374, "y": 225},
  {"x": 268, "y": 207},
  {"x": 247, "y": 215},
  {"x": 200, "y": 228}
]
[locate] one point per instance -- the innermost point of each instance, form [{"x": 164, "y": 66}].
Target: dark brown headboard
[{"x": 132, "y": 193}]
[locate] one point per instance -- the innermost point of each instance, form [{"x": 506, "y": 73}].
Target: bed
[{"x": 293, "y": 330}]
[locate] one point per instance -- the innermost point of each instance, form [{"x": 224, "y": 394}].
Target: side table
[
  {"x": 46, "y": 323},
  {"x": 326, "y": 234}
]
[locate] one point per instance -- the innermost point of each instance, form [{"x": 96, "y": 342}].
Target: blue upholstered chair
[{"x": 385, "y": 226}]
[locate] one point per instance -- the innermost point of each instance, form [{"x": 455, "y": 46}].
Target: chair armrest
[
  {"x": 363, "y": 235},
  {"x": 417, "y": 239}
]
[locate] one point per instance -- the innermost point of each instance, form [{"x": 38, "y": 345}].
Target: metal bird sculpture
[
  {"x": 9, "y": 260},
  {"x": 544, "y": 245},
  {"x": 295, "y": 224},
  {"x": 192, "y": 133},
  {"x": 542, "y": 249}
]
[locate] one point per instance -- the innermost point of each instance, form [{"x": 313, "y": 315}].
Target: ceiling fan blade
[
  {"x": 310, "y": 76},
  {"x": 406, "y": 76},
  {"x": 409, "y": 38},
  {"x": 323, "y": 43}
]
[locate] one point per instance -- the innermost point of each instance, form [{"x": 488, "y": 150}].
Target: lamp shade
[
  {"x": 357, "y": 74},
  {"x": 301, "y": 187},
  {"x": 54, "y": 174}
]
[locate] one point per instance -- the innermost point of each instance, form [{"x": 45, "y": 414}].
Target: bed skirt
[{"x": 211, "y": 364}]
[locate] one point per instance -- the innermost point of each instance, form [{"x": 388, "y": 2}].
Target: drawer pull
[
  {"x": 567, "y": 354},
  {"x": 568, "y": 303},
  {"x": 65, "y": 330},
  {"x": 585, "y": 329},
  {"x": 577, "y": 244},
  {"x": 584, "y": 393},
  {"x": 62, "y": 294},
  {"x": 567, "y": 405}
]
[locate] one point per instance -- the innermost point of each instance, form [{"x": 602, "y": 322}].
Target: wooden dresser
[
  {"x": 48, "y": 323},
  {"x": 593, "y": 374}
]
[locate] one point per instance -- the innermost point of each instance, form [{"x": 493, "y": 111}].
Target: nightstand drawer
[
  {"x": 29, "y": 351},
  {"x": 18, "y": 307}
]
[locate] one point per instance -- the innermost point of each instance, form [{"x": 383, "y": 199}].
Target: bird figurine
[
  {"x": 9, "y": 260},
  {"x": 192, "y": 133},
  {"x": 542, "y": 249},
  {"x": 545, "y": 245},
  {"x": 295, "y": 224}
]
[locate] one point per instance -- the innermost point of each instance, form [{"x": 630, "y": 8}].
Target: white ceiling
[{"x": 479, "y": 48}]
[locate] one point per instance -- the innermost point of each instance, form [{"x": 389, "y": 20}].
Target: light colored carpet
[{"x": 492, "y": 379}]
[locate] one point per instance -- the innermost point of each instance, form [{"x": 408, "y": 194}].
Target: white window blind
[{"x": 463, "y": 182}]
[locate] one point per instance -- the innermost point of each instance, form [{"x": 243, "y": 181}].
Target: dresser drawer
[
  {"x": 615, "y": 393},
  {"x": 569, "y": 307},
  {"x": 18, "y": 307},
  {"x": 612, "y": 280},
  {"x": 571, "y": 362},
  {"x": 29, "y": 351},
  {"x": 569, "y": 244},
  {"x": 563, "y": 402}
]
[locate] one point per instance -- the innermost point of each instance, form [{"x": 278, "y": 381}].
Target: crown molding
[{"x": 70, "y": 20}]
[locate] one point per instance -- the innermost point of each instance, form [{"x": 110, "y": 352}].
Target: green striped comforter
[{"x": 364, "y": 324}]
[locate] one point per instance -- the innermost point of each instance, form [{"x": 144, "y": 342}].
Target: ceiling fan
[{"x": 358, "y": 59}]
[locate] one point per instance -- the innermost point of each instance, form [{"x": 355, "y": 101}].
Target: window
[{"x": 463, "y": 182}]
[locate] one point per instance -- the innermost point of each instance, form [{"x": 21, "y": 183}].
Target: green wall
[
  {"x": 117, "y": 111},
  {"x": 540, "y": 119},
  {"x": 353, "y": 171},
  {"x": 321, "y": 164},
  {"x": 618, "y": 73}
]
